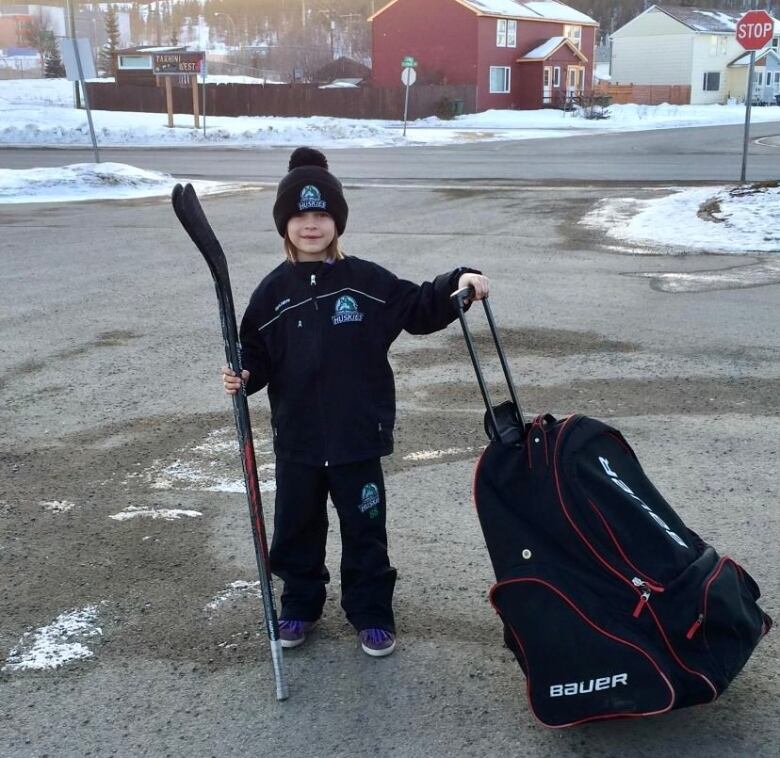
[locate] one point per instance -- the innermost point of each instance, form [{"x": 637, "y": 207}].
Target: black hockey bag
[{"x": 612, "y": 606}]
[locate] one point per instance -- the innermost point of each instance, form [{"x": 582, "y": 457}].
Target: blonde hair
[{"x": 333, "y": 252}]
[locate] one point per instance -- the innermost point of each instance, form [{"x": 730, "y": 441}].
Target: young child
[{"x": 317, "y": 332}]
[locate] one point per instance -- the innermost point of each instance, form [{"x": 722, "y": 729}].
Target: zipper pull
[
  {"x": 644, "y": 597},
  {"x": 314, "y": 284},
  {"x": 694, "y": 627}
]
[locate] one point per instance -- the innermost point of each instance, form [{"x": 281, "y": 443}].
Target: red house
[{"x": 516, "y": 53}]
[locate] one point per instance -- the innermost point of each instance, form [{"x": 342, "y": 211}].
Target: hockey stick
[{"x": 190, "y": 213}]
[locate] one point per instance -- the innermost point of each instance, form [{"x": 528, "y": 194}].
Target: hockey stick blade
[{"x": 190, "y": 213}]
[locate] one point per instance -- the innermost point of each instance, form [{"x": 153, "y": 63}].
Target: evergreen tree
[
  {"x": 107, "y": 58},
  {"x": 53, "y": 67}
]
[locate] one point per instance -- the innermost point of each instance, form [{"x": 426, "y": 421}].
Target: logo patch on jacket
[
  {"x": 310, "y": 199},
  {"x": 369, "y": 500},
  {"x": 346, "y": 310}
]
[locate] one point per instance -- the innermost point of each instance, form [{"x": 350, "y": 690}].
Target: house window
[
  {"x": 501, "y": 32},
  {"x": 546, "y": 77},
  {"x": 511, "y": 33},
  {"x": 574, "y": 33},
  {"x": 760, "y": 79},
  {"x": 499, "y": 79},
  {"x": 557, "y": 76},
  {"x": 711, "y": 81},
  {"x": 135, "y": 61},
  {"x": 718, "y": 44}
]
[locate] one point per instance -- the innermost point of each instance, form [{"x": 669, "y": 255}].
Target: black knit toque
[{"x": 309, "y": 187}]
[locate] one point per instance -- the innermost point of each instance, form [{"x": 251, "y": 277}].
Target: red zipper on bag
[{"x": 691, "y": 633}]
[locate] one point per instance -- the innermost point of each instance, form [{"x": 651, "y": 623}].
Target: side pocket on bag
[{"x": 729, "y": 623}]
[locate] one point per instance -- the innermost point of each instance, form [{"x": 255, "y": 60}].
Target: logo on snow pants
[{"x": 369, "y": 500}]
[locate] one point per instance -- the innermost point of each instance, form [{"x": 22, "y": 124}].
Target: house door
[
  {"x": 547, "y": 88},
  {"x": 575, "y": 79},
  {"x": 758, "y": 86}
]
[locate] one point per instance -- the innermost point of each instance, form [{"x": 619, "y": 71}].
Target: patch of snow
[
  {"x": 432, "y": 455},
  {"x": 57, "y": 506},
  {"x": 86, "y": 181},
  {"x": 169, "y": 514},
  {"x": 55, "y": 645},
  {"x": 203, "y": 467},
  {"x": 740, "y": 220},
  {"x": 234, "y": 591}
]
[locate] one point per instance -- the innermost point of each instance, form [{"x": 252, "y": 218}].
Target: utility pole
[{"x": 72, "y": 25}]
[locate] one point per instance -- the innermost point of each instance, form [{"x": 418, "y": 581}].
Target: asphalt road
[
  {"x": 702, "y": 154},
  {"x": 110, "y": 401}
]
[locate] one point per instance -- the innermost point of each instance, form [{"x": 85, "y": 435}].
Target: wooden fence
[
  {"x": 646, "y": 94},
  {"x": 289, "y": 100}
]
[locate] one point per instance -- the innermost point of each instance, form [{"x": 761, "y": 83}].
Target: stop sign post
[
  {"x": 408, "y": 78},
  {"x": 754, "y": 31}
]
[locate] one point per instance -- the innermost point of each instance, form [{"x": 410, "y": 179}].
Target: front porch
[{"x": 553, "y": 74}]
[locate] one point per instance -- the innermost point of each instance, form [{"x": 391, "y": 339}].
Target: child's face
[{"x": 311, "y": 233}]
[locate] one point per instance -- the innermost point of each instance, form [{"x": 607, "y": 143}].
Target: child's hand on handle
[
  {"x": 231, "y": 382},
  {"x": 480, "y": 284}
]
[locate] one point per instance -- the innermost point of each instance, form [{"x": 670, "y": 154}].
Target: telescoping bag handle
[{"x": 507, "y": 430}]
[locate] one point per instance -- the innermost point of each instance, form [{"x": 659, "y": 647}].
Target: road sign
[
  {"x": 80, "y": 65},
  {"x": 176, "y": 64},
  {"x": 408, "y": 62},
  {"x": 408, "y": 77},
  {"x": 81, "y": 47},
  {"x": 755, "y": 30}
]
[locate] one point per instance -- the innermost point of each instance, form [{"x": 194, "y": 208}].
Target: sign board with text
[{"x": 177, "y": 64}]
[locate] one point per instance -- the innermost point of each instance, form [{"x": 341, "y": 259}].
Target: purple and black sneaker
[
  {"x": 293, "y": 633},
  {"x": 377, "y": 642}
]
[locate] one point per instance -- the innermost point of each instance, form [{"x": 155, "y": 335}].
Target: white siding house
[{"x": 671, "y": 44}]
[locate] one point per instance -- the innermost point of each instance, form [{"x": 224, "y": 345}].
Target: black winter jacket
[{"x": 318, "y": 336}]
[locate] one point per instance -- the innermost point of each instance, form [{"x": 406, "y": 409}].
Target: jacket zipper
[{"x": 313, "y": 284}]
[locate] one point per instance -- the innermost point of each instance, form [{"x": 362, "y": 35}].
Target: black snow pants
[{"x": 300, "y": 532}]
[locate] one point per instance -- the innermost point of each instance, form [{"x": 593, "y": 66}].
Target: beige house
[{"x": 683, "y": 45}]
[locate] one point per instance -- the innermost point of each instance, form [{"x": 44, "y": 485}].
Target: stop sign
[{"x": 755, "y": 29}]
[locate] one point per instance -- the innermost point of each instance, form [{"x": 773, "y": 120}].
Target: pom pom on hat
[
  {"x": 307, "y": 156},
  {"x": 309, "y": 186}
]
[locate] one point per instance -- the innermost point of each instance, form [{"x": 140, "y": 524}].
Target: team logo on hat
[
  {"x": 311, "y": 199},
  {"x": 346, "y": 310}
]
